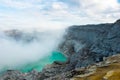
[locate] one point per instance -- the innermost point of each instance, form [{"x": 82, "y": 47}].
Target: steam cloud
[{"x": 15, "y": 53}]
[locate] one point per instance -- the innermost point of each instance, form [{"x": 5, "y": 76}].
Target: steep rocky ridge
[{"x": 88, "y": 44}]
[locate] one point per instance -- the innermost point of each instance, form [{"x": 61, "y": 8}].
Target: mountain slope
[{"x": 86, "y": 47}]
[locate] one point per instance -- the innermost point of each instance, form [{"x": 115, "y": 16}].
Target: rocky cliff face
[
  {"x": 88, "y": 44},
  {"x": 83, "y": 45}
]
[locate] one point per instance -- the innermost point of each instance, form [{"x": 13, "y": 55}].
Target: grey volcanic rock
[
  {"x": 20, "y": 35},
  {"x": 16, "y": 75},
  {"x": 88, "y": 44}
]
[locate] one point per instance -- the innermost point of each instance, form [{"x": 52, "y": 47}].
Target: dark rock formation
[
  {"x": 88, "y": 44},
  {"x": 16, "y": 75},
  {"x": 18, "y": 35}
]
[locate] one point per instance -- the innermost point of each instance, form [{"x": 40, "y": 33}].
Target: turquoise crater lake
[{"x": 40, "y": 64}]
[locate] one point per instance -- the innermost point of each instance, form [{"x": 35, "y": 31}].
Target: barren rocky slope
[
  {"x": 88, "y": 44},
  {"x": 109, "y": 69}
]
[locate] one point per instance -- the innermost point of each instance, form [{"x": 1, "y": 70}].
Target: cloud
[
  {"x": 21, "y": 4},
  {"x": 83, "y": 12},
  {"x": 56, "y": 13},
  {"x": 102, "y": 10}
]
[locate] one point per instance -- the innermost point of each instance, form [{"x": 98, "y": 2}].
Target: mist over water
[{"x": 28, "y": 48}]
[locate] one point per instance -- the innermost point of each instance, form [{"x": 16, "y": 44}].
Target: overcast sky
[{"x": 53, "y": 14}]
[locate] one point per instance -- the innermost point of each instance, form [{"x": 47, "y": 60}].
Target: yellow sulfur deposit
[{"x": 112, "y": 75}]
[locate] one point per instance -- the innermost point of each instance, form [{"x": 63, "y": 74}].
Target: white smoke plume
[{"x": 16, "y": 53}]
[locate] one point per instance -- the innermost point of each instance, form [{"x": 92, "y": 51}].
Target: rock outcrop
[
  {"x": 109, "y": 69},
  {"x": 88, "y": 44}
]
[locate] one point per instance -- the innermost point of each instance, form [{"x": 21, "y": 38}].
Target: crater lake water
[{"x": 40, "y": 64}]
